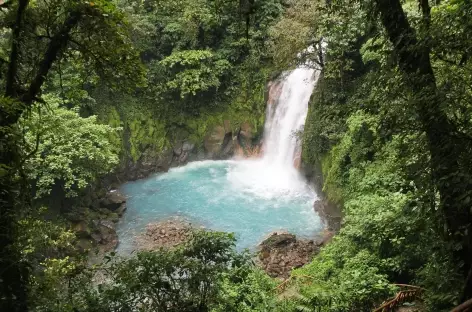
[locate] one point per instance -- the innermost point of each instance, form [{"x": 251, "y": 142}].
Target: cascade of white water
[
  {"x": 274, "y": 175},
  {"x": 287, "y": 116}
]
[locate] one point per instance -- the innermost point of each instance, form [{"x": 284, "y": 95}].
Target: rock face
[
  {"x": 282, "y": 252},
  {"x": 164, "y": 234},
  {"x": 112, "y": 201},
  {"x": 182, "y": 152},
  {"x": 95, "y": 225},
  {"x": 245, "y": 135},
  {"x": 104, "y": 234},
  {"x": 148, "y": 163},
  {"x": 274, "y": 89},
  {"x": 329, "y": 213},
  {"x": 214, "y": 141},
  {"x": 220, "y": 143}
]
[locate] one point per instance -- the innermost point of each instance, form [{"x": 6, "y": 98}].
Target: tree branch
[
  {"x": 15, "y": 50},
  {"x": 463, "y": 307},
  {"x": 56, "y": 46}
]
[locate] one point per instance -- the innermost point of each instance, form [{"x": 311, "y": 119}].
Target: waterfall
[
  {"x": 275, "y": 175},
  {"x": 286, "y": 116},
  {"x": 250, "y": 197}
]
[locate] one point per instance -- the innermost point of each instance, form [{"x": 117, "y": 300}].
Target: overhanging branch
[{"x": 55, "y": 47}]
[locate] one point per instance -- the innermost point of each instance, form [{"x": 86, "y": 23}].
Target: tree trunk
[
  {"x": 14, "y": 273},
  {"x": 446, "y": 149}
]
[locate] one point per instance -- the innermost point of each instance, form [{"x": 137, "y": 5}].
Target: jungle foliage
[
  {"x": 90, "y": 86},
  {"x": 385, "y": 129}
]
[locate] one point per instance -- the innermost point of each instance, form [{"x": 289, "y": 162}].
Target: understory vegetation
[{"x": 92, "y": 89}]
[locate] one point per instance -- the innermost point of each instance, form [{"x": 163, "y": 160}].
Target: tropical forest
[{"x": 235, "y": 155}]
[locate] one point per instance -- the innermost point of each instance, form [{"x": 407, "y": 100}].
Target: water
[
  {"x": 251, "y": 198},
  {"x": 287, "y": 117}
]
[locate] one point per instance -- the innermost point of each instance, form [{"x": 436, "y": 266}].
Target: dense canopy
[{"x": 93, "y": 93}]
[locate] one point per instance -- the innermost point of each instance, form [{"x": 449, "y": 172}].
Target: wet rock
[
  {"x": 228, "y": 146},
  {"x": 274, "y": 90},
  {"x": 120, "y": 211},
  {"x": 106, "y": 223},
  {"x": 177, "y": 150},
  {"x": 281, "y": 252},
  {"x": 148, "y": 163},
  {"x": 112, "y": 200},
  {"x": 278, "y": 240}
]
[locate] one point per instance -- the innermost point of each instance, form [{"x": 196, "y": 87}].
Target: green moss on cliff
[{"x": 150, "y": 128}]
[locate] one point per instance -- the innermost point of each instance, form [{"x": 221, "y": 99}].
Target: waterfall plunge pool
[
  {"x": 251, "y": 198},
  {"x": 247, "y": 197}
]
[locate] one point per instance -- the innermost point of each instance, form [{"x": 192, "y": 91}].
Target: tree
[
  {"x": 203, "y": 274},
  {"x": 448, "y": 147},
  {"x": 66, "y": 149},
  {"x": 41, "y": 33}
]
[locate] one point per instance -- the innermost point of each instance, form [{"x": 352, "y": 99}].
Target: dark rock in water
[
  {"x": 150, "y": 162},
  {"x": 282, "y": 252},
  {"x": 120, "y": 211},
  {"x": 112, "y": 200}
]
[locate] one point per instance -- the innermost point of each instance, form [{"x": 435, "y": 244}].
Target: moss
[
  {"x": 331, "y": 190},
  {"x": 151, "y": 127}
]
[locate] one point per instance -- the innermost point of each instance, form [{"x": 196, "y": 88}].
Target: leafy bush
[{"x": 204, "y": 274}]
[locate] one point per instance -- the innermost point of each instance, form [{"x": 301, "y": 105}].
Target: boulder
[
  {"x": 165, "y": 234},
  {"x": 282, "y": 252},
  {"x": 182, "y": 152},
  {"x": 278, "y": 240},
  {"x": 112, "y": 200},
  {"x": 177, "y": 149},
  {"x": 105, "y": 235},
  {"x": 120, "y": 211}
]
